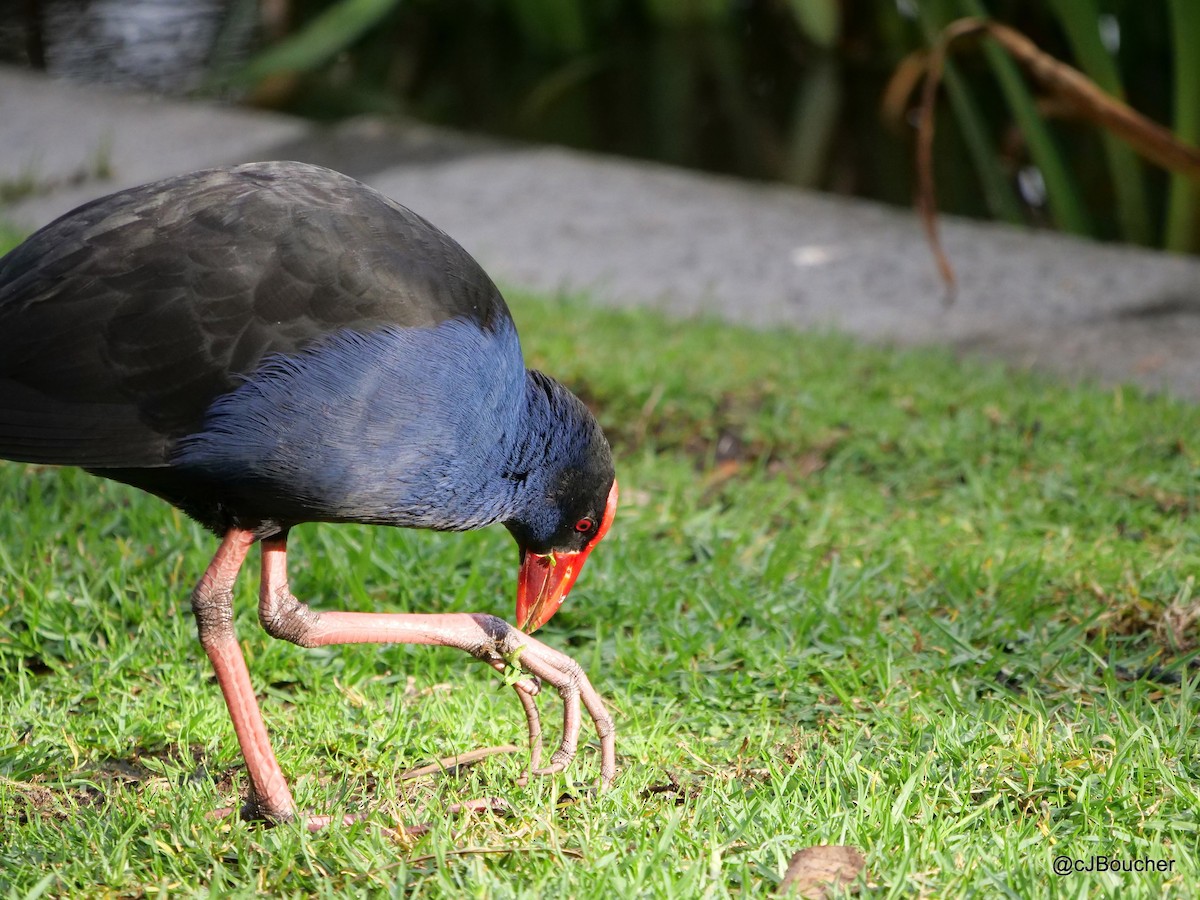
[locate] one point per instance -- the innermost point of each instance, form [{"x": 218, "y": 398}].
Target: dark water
[{"x": 156, "y": 45}]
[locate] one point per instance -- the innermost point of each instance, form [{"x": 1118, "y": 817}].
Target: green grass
[{"x": 934, "y": 610}]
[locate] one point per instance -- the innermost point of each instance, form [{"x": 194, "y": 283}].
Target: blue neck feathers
[{"x": 438, "y": 427}]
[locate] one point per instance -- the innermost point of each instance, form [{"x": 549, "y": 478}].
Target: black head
[
  {"x": 568, "y": 498},
  {"x": 564, "y": 491}
]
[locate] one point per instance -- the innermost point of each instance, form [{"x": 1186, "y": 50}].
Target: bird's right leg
[{"x": 485, "y": 637}]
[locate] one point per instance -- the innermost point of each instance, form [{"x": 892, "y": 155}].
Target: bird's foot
[
  {"x": 255, "y": 811},
  {"x": 507, "y": 647}
]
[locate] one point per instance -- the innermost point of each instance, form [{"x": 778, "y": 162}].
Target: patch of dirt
[
  {"x": 1173, "y": 625},
  {"x": 34, "y": 799},
  {"x": 672, "y": 789},
  {"x": 1168, "y": 503},
  {"x": 31, "y": 798},
  {"x": 35, "y": 665},
  {"x": 719, "y": 441},
  {"x": 123, "y": 773}
]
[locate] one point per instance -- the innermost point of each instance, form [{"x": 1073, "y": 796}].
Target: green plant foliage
[
  {"x": 673, "y": 13},
  {"x": 1063, "y": 194},
  {"x": 558, "y": 27},
  {"x": 995, "y": 181},
  {"x": 820, "y": 20},
  {"x": 786, "y": 91}
]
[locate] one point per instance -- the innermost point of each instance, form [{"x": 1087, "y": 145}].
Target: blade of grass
[
  {"x": 1156, "y": 143},
  {"x": 316, "y": 43},
  {"x": 1183, "y": 202},
  {"x": 820, "y": 20},
  {"x": 1062, "y": 192},
  {"x": 997, "y": 187},
  {"x": 758, "y": 144},
  {"x": 814, "y": 122},
  {"x": 238, "y": 22},
  {"x": 1079, "y": 19},
  {"x": 673, "y": 67}
]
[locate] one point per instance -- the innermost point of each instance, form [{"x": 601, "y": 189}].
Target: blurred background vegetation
[{"x": 789, "y": 91}]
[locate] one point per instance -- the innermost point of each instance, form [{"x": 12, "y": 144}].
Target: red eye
[{"x": 584, "y": 525}]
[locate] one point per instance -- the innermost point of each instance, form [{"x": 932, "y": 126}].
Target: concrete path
[{"x": 636, "y": 233}]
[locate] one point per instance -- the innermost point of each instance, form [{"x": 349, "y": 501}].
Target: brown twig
[
  {"x": 450, "y": 763},
  {"x": 926, "y": 192},
  {"x": 897, "y": 95},
  {"x": 469, "y": 851}
]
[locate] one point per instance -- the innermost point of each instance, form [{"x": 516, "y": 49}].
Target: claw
[
  {"x": 534, "y": 721},
  {"x": 568, "y": 678}
]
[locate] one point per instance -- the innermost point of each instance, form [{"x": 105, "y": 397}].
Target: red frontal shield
[{"x": 545, "y": 579}]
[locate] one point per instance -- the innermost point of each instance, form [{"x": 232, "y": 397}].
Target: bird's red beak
[{"x": 545, "y": 579}]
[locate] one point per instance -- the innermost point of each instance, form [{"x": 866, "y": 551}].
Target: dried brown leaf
[
  {"x": 813, "y": 870},
  {"x": 1071, "y": 89},
  {"x": 906, "y": 78}
]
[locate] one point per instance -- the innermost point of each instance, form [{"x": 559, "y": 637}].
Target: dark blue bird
[{"x": 276, "y": 343}]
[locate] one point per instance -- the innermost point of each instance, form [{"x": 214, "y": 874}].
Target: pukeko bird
[{"x": 276, "y": 343}]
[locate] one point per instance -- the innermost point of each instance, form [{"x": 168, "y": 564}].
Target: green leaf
[
  {"x": 317, "y": 42},
  {"x": 1183, "y": 203},
  {"x": 820, "y": 20}
]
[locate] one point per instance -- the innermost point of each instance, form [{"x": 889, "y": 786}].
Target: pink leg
[
  {"x": 212, "y": 602},
  {"x": 485, "y": 637}
]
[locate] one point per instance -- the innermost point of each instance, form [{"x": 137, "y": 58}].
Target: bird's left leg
[
  {"x": 212, "y": 603},
  {"x": 269, "y": 797},
  {"x": 485, "y": 637}
]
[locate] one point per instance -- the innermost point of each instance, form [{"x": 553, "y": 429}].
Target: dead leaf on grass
[
  {"x": 814, "y": 870},
  {"x": 1176, "y": 628}
]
